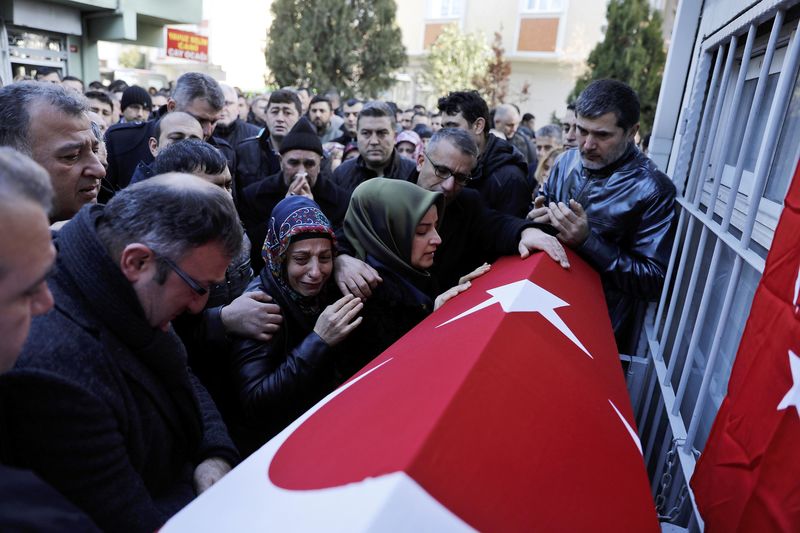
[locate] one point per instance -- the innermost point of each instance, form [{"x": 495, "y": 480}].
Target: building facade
[
  {"x": 37, "y": 34},
  {"x": 726, "y": 132}
]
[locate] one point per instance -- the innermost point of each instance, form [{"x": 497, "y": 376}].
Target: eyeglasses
[
  {"x": 189, "y": 280},
  {"x": 443, "y": 173}
]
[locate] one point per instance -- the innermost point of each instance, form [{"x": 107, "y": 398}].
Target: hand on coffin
[
  {"x": 209, "y": 472},
  {"x": 354, "y": 276},
  {"x": 252, "y": 315},
  {"x": 339, "y": 319},
  {"x": 453, "y": 291},
  {"x": 480, "y": 271},
  {"x": 535, "y": 239}
]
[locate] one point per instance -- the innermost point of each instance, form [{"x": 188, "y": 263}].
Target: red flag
[{"x": 748, "y": 477}]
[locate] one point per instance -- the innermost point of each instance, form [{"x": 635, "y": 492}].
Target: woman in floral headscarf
[{"x": 280, "y": 379}]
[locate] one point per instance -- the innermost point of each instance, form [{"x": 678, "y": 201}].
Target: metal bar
[
  {"x": 659, "y": 354},
  {"x": 665, "y": 292},
  {"x": 761, "y": 87},
  {"x": 651, "y": 387},
  {"x": 687, "y": 302},
  {"x": 750, "y": 257},
  {"x": 701, "y": 144},
  {"x": 700, "y": 324},
  {"x": 702, "y": 395},
  {"x": 719, "y": 167},
  {"x": 769, "y": 144},
  {"x": 720, "y": 101}
]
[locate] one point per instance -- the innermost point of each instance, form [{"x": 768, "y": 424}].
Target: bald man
[
  {"x": 173, "y": 127},
  {"x": 506, "y": 120},
  {"x": 229, "y": 126}
]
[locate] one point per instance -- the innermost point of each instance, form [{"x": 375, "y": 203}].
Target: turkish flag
[
  {"x": 504, "y": 410},
  {"x": 748, "y": 477}
]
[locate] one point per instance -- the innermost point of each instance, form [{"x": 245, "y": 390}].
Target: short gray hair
[
  {"x": 15, "y": 102},
  {"x": 377, "y": 108},
  {"x": 551, "y": 130},
  {"x": 172, "y": 214},
  {"x": 22, "y": 178},
  {"x": 197, "y": 85},
  {"x": 459, "y": 138}
]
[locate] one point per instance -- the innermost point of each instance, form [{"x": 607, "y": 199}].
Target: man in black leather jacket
[{"x": 612, "y": 205}]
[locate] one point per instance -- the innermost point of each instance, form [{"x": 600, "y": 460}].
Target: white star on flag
[
  {"x": 524, "y": 296},
  {"x": 792, "y": 398}
]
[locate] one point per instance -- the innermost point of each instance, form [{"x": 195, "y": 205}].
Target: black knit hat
[
  {"x": 303, "y": 136},
  {"x": 136, "y": 95}
]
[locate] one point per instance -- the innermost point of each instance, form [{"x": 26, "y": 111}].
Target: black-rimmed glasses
[
  {"x": 189, "y": 280},
  {"x": 443, "y": 173}
]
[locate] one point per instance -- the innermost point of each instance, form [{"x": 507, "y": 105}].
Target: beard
[{"x": 608, "y": 159}]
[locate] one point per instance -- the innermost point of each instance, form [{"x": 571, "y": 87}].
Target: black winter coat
[
  {"x": 235, "y": 132},
  {"x": 631, "y": 210},
  {"x": 354, "y": 172},
  {"x": 501, "y": 176},
  {"x": 104, "y": 407},
  {"x": 256, "y": 159}
]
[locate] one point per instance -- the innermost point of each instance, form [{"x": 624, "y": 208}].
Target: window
[
  {"x": 542, "y": 6},
  {"x": 445, "y": 9}
]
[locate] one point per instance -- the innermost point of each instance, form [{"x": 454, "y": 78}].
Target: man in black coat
[
  {"x": 128, "y": 144},
  {"x": 26, "y": 255},
  {"x": 501, "y": 175},
  {"x": 105, "y": 407},
  {"x": 302, "y": 172},
  {"x": 377, "y": 156},
  {"x": 230, "y": 127},
  {"x": 471, "y": 233}
]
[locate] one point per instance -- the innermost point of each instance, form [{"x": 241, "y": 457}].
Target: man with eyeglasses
[
  {"x": 471, "y": 233},
  {"x": 301, "y": 173},
  {"x": 105, "y": 408},
  {"x": 195, "y": 93}
]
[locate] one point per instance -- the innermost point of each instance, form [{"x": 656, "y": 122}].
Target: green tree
[
  {"x": 352, "y": 45},
  {"x": 493, "y": 83},
  {"x": 456, "y": 60},
  {"x": 632, "y": 51}
]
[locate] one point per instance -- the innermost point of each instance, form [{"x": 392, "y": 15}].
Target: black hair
[
  {"x": 609, "y": 96},
  {"x": 469, "y": 104},
  {"x": 190, "y": 156}
]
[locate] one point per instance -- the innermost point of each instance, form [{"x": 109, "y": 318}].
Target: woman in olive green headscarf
[{"x": 392, "y": 226}]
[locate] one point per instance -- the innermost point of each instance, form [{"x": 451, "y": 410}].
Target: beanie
[
  {"x": 136, "y": 95},
  {"x": 303, "y": 136}
]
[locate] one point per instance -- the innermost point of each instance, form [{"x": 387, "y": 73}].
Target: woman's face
[
  {"x": 426, "y": 240},
  {"x": 406, "y": 149},
  {"x": 309, "y": 265}
]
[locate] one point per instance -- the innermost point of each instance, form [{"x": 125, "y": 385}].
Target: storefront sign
[{"x": 187, "y": 45}]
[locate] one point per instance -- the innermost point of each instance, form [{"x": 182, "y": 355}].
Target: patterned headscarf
[{"x": 293, "y": 218}]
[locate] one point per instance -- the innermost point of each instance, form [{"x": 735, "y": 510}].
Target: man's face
[
  {"x": 449, "y": 159},
  {"x": 420, "y": 119},
  {"x": 73, "y": 85},
  {"x": 375, "y": 139},
  {"x": 28, "y": 255},
  {"x": 243, "y": 108},
  {"x": 601, "y": 141},
  {"x": 205, "y": 114},
  {"x": 230, "y": 111},
  {"x": 457, "y": 120},
  {"x": 136, "y": 113},
  {"x": 159, "y": 100},
  {"x": 570, "y": 131},
  {"x": 281, "y": 118},
  {"x": 436, "y": 123},
  {"x": 320, "y": 115},
  {"x": 163, "y": 302},
  {"x": 294, "y": 162},
  {"x": 260, "y": 109},
  {"x": 507, "y": 124},
  {"x": 544, "y": 145},
  {"x": 102, "y": 109},
  {"x": 406, "y": 119},
  {"x": 177, "y": 127},
  {"x": 223, "y": 180},
  {"x": 97, "y": 119},
  {"x": 351, "y": 117},
  {"x": 66, "y": 147},
  {"x": 50, "y": 78}
]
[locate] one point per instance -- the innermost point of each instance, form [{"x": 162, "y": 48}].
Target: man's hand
[
  {"x": 252, "y": 315},
  {"x": 354, "y": 276},
  {"x": 540, "y": 212},
  {"x": 535, "y": 239},
  {"x": 339, "y": 319},
  {"x": 209, "y": 472},
  {"x": 300, "y": 187},
  {"x": 450, "y": 293},
  {"x": 570, "y": 221}
]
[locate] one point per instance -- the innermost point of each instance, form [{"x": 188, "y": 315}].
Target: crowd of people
[{"x": 197, "y": 268}]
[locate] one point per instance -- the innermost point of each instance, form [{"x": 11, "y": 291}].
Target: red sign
[{"x": 187, "y": 45}]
